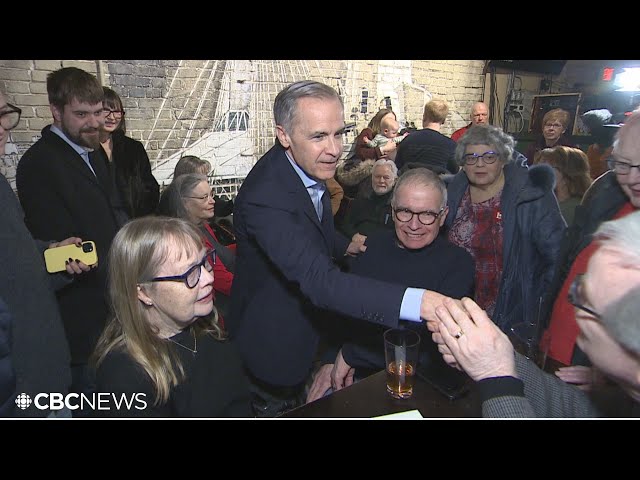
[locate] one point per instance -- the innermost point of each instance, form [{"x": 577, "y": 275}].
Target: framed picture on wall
[{"x": 543, "y": 103}]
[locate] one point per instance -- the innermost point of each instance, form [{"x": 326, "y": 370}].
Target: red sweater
[
  {"x": 222, "y": 277},
  {"x": 563, "y": 330},
  {"x": 455, "y": 136}
]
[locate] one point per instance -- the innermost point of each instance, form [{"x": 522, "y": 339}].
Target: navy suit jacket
[{"x": 286, "y": 281}]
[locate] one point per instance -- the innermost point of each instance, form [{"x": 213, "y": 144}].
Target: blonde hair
[
  {"x": 138, "y": 251},
  {"x": 435, "y": 111},
  {"x": 558, "y": 114}
]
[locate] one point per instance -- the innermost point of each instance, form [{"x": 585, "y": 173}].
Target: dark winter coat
[{"x": 532, "y": 228}]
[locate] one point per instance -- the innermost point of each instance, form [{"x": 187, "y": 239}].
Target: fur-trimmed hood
[
  {"x": 527, "y": 184},
  {"x": 353, "y": 176},
  {"x": 542, "y": 176}
]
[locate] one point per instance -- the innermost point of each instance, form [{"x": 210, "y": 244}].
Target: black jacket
[
  {"x": 138, "y": 188},
  {"x": 62, "y": 198}
]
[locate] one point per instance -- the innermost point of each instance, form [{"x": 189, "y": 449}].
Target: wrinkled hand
[
  {"x": 321, "y": 383},
  {"x": 358, "y": 238},
  {"x": 355, "y": 248},
  {"x": 447, "y": 356},
  {"x": 483, "y": 350},
  {"x": 342, "y": 373},
  {"x": 578, "y": 375},
  {"x": 73, "y": 267}
]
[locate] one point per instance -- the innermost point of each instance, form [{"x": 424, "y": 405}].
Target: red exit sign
[{"x": 607, "y": 74}]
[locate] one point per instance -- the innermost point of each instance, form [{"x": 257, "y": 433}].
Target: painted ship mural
[{"x": 242, "y": 93}]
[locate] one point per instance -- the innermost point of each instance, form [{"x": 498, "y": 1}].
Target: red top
[
  {"x": 455, "y": 136},
  {"x": 563, "y": 330},
  {"x": 222, "y": 278}
]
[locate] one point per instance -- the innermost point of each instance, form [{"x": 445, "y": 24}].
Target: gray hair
[
  {"x": 420, "y": 177},
  {"x": 286, "y": 103},
  {"x": 383, "y": 162},
  {"x": 191, "y": 164},
  {"x": 502, "y": 143},
  {"x": 622, "y": 234},
  {"x": 628, "y": 129},
  {"x": 622, "y": 320},
  {"x": 622, "y": 317},
  {"x": 176, "y": 193}
]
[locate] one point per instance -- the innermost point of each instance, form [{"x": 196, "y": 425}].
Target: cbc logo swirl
[
  {"x": 75, "y": 401},
  {"x": 23, "y": 401}
]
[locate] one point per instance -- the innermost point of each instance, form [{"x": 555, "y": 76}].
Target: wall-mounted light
[{"x": 628, "y": 80}]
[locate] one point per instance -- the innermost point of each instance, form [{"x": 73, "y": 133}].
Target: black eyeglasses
[
  {"x": 192, "y": 276},
  {"x": 116, "y": 113},
  {"x": 488, "y": 158},
  {"x": 10, "y": 118},
  {"x": 426, "y": 218},
  {"x": 621, "y": 168},
  {"x": 575, "y": 296}
]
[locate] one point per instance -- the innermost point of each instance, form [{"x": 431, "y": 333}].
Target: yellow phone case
[{"x": 55, "y": 258}]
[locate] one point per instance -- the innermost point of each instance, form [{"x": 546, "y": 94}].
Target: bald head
[
  {"x": 479, "y": 113},
  {"x": 626, "y": 149},
  {"x": 627, "y": 143}
]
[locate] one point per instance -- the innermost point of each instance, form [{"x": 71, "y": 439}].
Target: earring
[{"x": 149, "y": 303}]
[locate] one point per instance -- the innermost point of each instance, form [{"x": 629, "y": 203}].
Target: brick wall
[{"x": 171, "y": 104}]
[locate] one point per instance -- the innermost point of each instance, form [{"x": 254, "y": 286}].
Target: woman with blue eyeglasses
[
  {"x": 506, "y": 216},
  {"x": 163, "y": 353}
]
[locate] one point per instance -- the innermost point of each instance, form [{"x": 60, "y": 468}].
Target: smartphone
[
  {"x": 447, "y": 380},
  {"x": 55, "y": 258}
]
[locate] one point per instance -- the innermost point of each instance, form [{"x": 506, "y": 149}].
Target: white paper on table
[{"x": 408, "y": 415}]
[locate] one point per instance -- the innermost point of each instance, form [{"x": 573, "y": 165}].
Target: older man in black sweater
[{"x": 414, "y": 253}]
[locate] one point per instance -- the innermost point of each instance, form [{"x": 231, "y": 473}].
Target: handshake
[{"x": 467, "y": 338}]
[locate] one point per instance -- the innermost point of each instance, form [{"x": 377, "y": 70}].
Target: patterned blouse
[{"x": 478, "y": 229}]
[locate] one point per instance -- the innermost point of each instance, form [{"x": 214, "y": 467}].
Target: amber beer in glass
[{"x": 401, "y": 349}]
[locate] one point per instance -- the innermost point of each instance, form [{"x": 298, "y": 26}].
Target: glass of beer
[{"x": 401, "y": 348}]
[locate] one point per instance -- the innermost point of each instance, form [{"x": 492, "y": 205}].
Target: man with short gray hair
[
  {"x": 367, "y": 215},
  {"x": 413, "y": 252},
  {"x": 286, "y": 281}
]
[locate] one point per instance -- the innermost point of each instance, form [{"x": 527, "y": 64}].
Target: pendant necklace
[{"x": 193, "y": 350}]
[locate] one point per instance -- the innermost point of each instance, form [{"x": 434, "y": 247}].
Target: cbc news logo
[{"x": 75, "y": 401}]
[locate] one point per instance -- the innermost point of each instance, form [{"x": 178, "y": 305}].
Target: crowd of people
[{"x": 498, "y": 257}]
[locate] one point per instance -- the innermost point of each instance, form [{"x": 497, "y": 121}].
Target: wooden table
[{"x": 369, "y": 398}]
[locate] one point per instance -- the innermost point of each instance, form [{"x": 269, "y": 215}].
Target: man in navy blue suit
[{"x": 286, "y": 282}]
